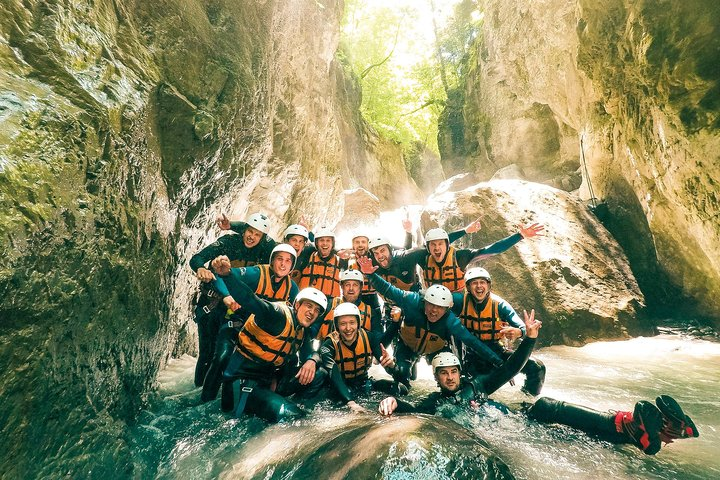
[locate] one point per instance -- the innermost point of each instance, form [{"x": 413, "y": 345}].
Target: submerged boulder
[
  {"x": 361, "y": 448},
  {"x": 576, "y": 276}
]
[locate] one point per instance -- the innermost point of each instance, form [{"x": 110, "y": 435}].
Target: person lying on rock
[
  {"x": 270, "y": 282},
  {"x": 265, "y": 363},
  {"x": 491, "y": 319},
  {"x": 427, "y": 325},
  {"x": 351, "y": 283},
  {"x": 646, "y": 427},
  {"x": 346, "y": 355},
  {"x": 250, "y": 247}
]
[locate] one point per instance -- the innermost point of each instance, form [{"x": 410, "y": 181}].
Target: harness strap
[{"x": 246, "y": 389}]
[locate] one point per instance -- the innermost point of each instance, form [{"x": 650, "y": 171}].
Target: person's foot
[
  {"x": 675, "y": 423},
  {"x": 642, "y": 426}
]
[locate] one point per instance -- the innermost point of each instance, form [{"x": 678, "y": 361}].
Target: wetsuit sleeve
[
  {"x": 402, "y": 298},
  {"x": 409, "y": 258},
  {"x": 465, "y": 256},
  {"x": 497, "y": 378},
  {"x": 238, "y": 227},
  {"x": 215, "y": 249},
  {"x": 509, "y": 315},
  {"x": 268, "y": 316},
  {"x": 338, "y": 384},
  {"x": 427, "y": 405},
  {"x": 456, "y": 235},
  {"x": 376, "y": 320},
  {"x": 226, "y": 285},
  {"x": 294, "y": 290},
  {"x": 390, "y": 333},
  {"x": 456, "y": 329},
  {"x": 458, "y": 300},
  {"x": 307, "y": 350},
  {"x": 408, "y": 240}
]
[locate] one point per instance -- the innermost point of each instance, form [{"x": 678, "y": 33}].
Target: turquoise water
[{"x": 179, "y": 438}]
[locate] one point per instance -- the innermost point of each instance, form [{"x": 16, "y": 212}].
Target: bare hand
[
  {"x": 366, "y": 265},
  {"x": 223, "y": 222},
  {"x": 473, "y": 227},
  {"x": 303, "y": 222},
  {"x": 534, "y": 230},
  {"x": 230, "y": 303},
  {"x": 344, "y": 253},
  {"x": 407, "y": 225},
  {"x": 510, "y": 333},
  {"x": 532, "y": 326},
  {"x": 395, "y": 313},
  {"x": 386, "y": 360},
  {"x": 221, "y": 265},
  {"x": 306, "y": 374},
  {"x": 204, "y": 275},
  {"x": 387, "y": 406},
  {"x": 355, "y": 408}
]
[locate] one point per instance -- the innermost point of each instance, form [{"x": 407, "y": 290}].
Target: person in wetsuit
[
  {"x": 270, "y": 282},
  {"x": 491, "y": 319},
  {"x": 351, "y": 284},
  {"x": 250, "y": 245},
  {"x": 646, "y": 427},
  {"x": 427, "y": 325},
  {"x": 265, "y": 364}
]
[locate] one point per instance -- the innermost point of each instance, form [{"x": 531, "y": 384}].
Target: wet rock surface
[
  {"x": 576, "y": 277},
  {"x": 638, "y": 82}
]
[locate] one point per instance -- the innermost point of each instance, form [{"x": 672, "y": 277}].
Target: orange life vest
[
  {"x": 356, "y": 362},
  {"x": 265, "y": 286},
  {"x": 366, "y": 288},
  {"x": 323, "y": 275},
  {"x": 420, "y": 340},
  {"x": 260, "y": 346},
  {"x": 486, "y": 324},
  {"x": 328, "y": 324},
  {"x": 448, "y": 273}
]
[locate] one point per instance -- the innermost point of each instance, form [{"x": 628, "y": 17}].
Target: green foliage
[{"x": 404, "y": 70}]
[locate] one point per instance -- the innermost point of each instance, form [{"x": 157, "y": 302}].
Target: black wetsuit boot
[
  {"x": 223, "y": 350},
  {"x": 534, "y": 371},
  {"x": 641, "y": 427}
]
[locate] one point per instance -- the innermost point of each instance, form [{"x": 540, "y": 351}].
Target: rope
[{"x": 593, "y": 200}]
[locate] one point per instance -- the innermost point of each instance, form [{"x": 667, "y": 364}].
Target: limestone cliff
[
  {"x": 639, "y": 83},
  {"x": 124, "y": 127}
]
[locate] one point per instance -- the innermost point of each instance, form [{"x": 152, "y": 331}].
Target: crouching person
[
  {"x": 265, "y": 361},
  {"x": 347, "y": 354}
]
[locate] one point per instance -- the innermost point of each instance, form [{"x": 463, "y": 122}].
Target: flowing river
[{"x": 177, "y": 437}]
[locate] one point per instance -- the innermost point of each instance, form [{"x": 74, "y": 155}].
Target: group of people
[{"x": 282, "y": 323}]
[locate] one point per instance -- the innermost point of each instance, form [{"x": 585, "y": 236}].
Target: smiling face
[
  {"x": 360, "y": 245},
  {"x": 307, "y": 312},
  {"x": 347, "y": 325},
  {"x": 282, "y": 263},
  {"x": 252, "y": 236},
  {"x": 448, "y": 378},
  {"x": 297, "y": 242},
  {"x": 434, "y": 312},
  {"x": 438, "y": 249},
  {"x": 324, "y": 246},
  {"x": 382, "y": 255},
  {"x": 351, "y": 290},
  {"x": 479, "y": 288}
]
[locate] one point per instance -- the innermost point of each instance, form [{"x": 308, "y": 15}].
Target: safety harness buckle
[
  {"x": 246, "y": 389},
  {"x": 206, "y": 309}
]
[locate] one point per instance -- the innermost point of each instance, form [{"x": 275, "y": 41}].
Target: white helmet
[
  {"x": 436, "y": 234},
  {"x": 445, "y": 359},
  {"x": 358, "y": 235},
  {"x": 295, "y": 230},
  {"x": 324, "y": 232},
  {"x": 346, "y": 308},
  {"x": 439, "y": 295},
  {"x": 259, "y": 221},
  {"x": 314, "y": 295},
  {"x": 346, "y": 275},
  {"x": 284, "y": 247},
  {"x": 476, "y": 272},
  {"x": 377, "y": 242}
]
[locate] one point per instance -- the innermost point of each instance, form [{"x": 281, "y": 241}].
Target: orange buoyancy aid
[
  {"x": 448, "y": 273},
  {"x": 323, "y": 275},
  {"x": 420, "y": 340},
  {"x": 485, "y": 324},
  {"x": 265, "y": 286},
  {"x": 355, "y": 362},
  {"x": 260, "y": 346},
  {"x": 366, "y": 288},
  {"x": 328, "y": 324}
]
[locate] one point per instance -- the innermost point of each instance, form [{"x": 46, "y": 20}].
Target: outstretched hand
[
  {"x": 387, "y": 406},
  {"x": 386, "y": 360},
  {"x": 407, "y": 225},
  {"x": 532, "y": 326},
  {"x": 534, "y": 230},
  {"x": 223, "y": 222},
  {"x": 204, "y": 275},
  {"x": 306, "y": 374},
  {"x": 473, "y": 227},
  {"x": 221, "y": 265},
  {"x": 366, "y": 265},
  {"x": 303, "y": 221}
]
